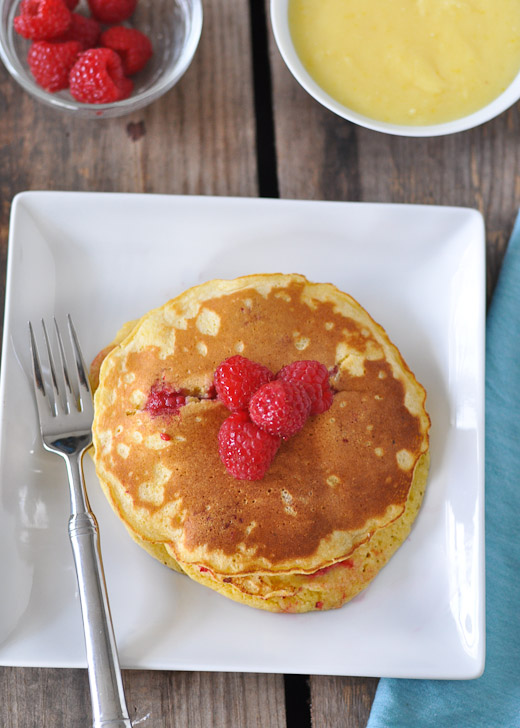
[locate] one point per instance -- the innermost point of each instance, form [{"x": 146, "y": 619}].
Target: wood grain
[
  {"x": 59, "y": 698},
  {"x": 341, "y": 702}
]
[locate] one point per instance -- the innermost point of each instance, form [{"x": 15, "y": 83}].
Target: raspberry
[
  {"x": 164, "y": 400},
  {"x": 133, "y": 46},
  {"x": 315, "y": 378},
  {"x": 83, "y": 29},
  {"x": 50, "y": 63},
  {"x": 112, "y": 11},
  {"x": 97, "y": 77},
  {"x": 245, "y": 449},
  {"x": 71, "y": 4},
  {"x": 280, "y": 407},
  {"x": 237, "y": 379},
  {"x": 42, "y": 19}
]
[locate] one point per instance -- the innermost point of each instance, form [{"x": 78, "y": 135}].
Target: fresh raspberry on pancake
[
  {"x": 280, "y": 407},
  {"x": 42, "y": 19},
  {"x": 237, "y": 379},
  {"x": 314, "y": 376},
  {"x": 164, "y": 400},
  {"x": 245, "y": 449}
]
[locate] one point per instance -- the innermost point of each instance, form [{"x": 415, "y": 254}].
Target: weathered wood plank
[
  {"x": 234, "y": 699},
  {"x": 341, "y": 702},
  {"x": 46, "y": 698}
]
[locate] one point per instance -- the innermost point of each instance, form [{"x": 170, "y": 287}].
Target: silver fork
[{"x": 65, "y": 426}]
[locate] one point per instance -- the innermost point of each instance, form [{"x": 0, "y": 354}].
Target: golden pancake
[
  {"x": 335, "y": 488},
  {"x": 332, "y": 586}
]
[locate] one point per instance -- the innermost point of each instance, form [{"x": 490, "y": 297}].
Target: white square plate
[{"x": 108, "y": 258}]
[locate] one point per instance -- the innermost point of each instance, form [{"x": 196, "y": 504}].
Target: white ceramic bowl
[
  {"x": 280, "y": 25},
  {"x": 173, "y": 26}
]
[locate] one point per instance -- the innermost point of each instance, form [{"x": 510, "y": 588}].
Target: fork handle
[{"x": 106, "y": 686}]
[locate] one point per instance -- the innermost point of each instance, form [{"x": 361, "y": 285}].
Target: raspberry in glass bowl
[{"x": 172, "y": 28}]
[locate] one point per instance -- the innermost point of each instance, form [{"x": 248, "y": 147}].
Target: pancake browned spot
[{"x": 341, "y": 484}]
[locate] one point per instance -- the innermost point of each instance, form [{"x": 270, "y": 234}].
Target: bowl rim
[
  {"x": 282, "y": 35},
  {"x": 163, "y": 84}
]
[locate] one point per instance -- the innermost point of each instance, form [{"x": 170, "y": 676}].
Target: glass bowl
[
  {"x": 173, "y": 26},
  {"x": 282, "y": 34}
]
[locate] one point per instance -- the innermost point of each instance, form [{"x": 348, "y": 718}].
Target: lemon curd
[{"x": 409, "y": 61}]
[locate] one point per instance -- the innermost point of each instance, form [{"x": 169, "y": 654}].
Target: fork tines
[{"x": 53, "y": 383}]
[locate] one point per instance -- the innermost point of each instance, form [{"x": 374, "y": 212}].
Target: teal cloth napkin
[{"x": 493, "y": 700}]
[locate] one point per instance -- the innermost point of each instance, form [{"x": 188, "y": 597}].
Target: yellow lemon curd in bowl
[{"x": 410, "y": 62}]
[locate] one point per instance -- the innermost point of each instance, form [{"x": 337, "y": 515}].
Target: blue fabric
[{"x": 493, "y": 700}]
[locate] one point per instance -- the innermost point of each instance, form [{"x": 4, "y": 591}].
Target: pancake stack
[{"x": 341, "y": 494}]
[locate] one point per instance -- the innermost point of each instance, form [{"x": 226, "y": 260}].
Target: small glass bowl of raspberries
[{"x": 98, "y": 58}]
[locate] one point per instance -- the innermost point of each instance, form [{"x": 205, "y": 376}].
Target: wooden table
[{"x": 238, "y": 124}]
